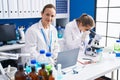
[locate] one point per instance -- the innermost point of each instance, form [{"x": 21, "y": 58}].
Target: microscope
[
  {"x": 93, "y": 48},
  {"x": 22, "y": 35}
]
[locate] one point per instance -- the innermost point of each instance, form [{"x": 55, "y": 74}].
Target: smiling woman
[
  {"x": 48, "y": 15},
  {"x": 42, "y": 35}
]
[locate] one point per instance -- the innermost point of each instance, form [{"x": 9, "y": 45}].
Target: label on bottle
[{"x": 117, "y": 46}]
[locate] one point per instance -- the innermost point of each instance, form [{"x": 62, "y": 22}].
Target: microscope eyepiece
[{"x": 92, "y": 32}]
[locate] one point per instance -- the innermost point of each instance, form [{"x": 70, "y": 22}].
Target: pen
[
  {"x": 81, "y": 62},
  {"x": 87, "y": 59},
  {"x": 90, "y": 60}
]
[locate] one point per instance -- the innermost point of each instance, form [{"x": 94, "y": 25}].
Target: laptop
[{"x": 68, "y": 58}]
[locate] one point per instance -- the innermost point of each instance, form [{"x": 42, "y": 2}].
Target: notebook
[{"x": 68, "y": 58}]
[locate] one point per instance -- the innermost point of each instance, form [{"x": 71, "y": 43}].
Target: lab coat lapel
[
  {"x": 40, "y": 33},
  {"x": 75, "y": 29},
  {"x": 44, "y": 37}
]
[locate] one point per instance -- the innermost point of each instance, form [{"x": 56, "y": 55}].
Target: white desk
[
  {"x": 108, "y": 64},
  {"x": 11, "y": 47},
  {"x": 92, "y": 71}
]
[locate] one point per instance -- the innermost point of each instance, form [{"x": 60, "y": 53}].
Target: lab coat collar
[
  {"x": 76, "y": 29},
  {"x": 41, "y": 26},
  {"x": 75, "y": 23}
]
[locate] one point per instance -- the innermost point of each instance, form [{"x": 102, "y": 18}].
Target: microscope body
[
  {"x": 22, "y": 34},
  {"x": 93, "y": 48}
]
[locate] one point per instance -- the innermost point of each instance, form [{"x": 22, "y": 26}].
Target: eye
[
  {"x": 47, "y": 14},
  {"x": 52, "y": 15},
  {"x": 87, "y": 29}
]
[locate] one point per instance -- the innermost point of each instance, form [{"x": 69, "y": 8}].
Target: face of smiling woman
[{"x": 48, "y": 16}]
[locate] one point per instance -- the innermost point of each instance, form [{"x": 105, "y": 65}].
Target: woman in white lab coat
[
  {"x": 42, "y": 35},
  {"x": 76, "y": 32}
]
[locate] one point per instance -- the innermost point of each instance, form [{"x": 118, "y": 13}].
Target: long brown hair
[
  {"x": 86, "y": 20},
  {"x": 48, "y": 6}
]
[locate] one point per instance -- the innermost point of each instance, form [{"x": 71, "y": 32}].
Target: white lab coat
[
  {"x": 72, "y": 36},
  {"x": 34, "y": 40}
]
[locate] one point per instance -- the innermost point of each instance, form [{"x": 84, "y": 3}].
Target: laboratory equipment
[
  {"x": 20, "y": 74},
  {"x": 49, "y": 59},
  {"x": 43, "y": 73},
  {"x": 15, "y": 56},
  {"x": 59, "y": 72},
  {"x": 117, "y": 48},
  {"x": 41, "y": 57},
  {"x": 3, "y": 73},
  {"x": 93, "y": 48},
  {"x": 22, "y": 35},
  {"x": 33, "y": 63},
  {"x": 60, "y": 31},
  {"x": 10, "y": 71},
  {"x": 33, "y": 74},
  {"x": 51, "y": 77}
]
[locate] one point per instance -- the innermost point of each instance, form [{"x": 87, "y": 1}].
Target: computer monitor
[{"x": 7, "y": 33}]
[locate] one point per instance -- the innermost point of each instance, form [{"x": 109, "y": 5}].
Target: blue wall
[
  {"x": 20, "y": 22},
  {"x": 77, "y": 7}
]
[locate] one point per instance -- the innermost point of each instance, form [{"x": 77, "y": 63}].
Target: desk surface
[
  {"x": 92, "y": 71},
  {"x": 11, "y": 47}
]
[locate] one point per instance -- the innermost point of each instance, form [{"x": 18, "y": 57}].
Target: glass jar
[
  {"x": 20, "y": 74},
  {"x": 60, "y": 31},
  {"x": 33, "y": 64},
  {"x": 117, "y": 45},
  {"x": 59, "y": 72},
  {"x": 117, "y": 48},
  {"x": 48, "y": 58},
  {"x": 41, "y": 57}
]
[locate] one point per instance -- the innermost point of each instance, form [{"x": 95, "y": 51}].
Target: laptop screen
[{"x": 68, "y": 58}]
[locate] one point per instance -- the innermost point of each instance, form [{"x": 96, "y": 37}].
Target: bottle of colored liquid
[{"x": 20, "y": 74}]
